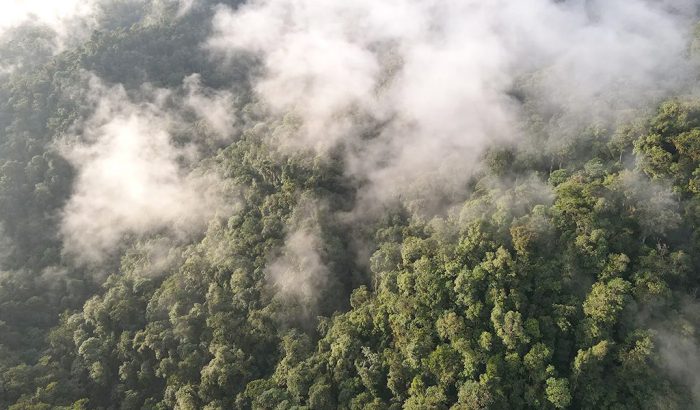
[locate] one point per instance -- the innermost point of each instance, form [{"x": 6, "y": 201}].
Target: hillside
[{"x": 293, "y": 204}]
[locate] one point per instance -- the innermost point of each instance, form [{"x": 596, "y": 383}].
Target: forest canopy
[{"x": 294, "y": 204}]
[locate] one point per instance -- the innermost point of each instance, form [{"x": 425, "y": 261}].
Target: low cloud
[
  {"x": 414, "y": 90},
  {"x": 214, "y": 107},
  {"x": 299, "y": 271},
  {"x": 676, "y": 339},
  {"x": 680, "y": 357},
  {"x": 56, "y": 14},
  {"x": 132, "y": 179},
  {"x": 652, "y": 203},
  {"x": 70, "y": 22}
]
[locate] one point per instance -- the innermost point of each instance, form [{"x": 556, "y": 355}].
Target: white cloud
[
  {"x": 51, "y": 13},
  {"x": 438, "y": 74},
  {"x": 215, "y": 107},
  {"x": 132, "y": 179}
]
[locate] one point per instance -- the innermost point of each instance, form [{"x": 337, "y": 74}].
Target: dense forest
[{"x": 279, "y": 204}]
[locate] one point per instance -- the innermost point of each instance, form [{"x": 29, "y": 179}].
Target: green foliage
[
  {"x": 544, "y": 290},
  {"x": 558, "y": 392}
]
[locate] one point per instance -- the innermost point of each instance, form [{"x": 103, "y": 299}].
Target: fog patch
[
  {"x": 132, "y": 179},
  {"x": 297, "y": 271},
  {"x": 214, "y": 107},
  {"x": 414, "y": 91}
]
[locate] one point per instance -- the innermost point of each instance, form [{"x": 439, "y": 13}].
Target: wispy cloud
[{"x": 132, "y": 178}]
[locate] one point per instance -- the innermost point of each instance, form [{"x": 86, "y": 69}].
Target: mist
[
  {"x": 349, "y": 204},
  {"x": 71, "y": 22},
  {"x": 132, "y": 179},
  {"x": 439, "y": 77}
]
